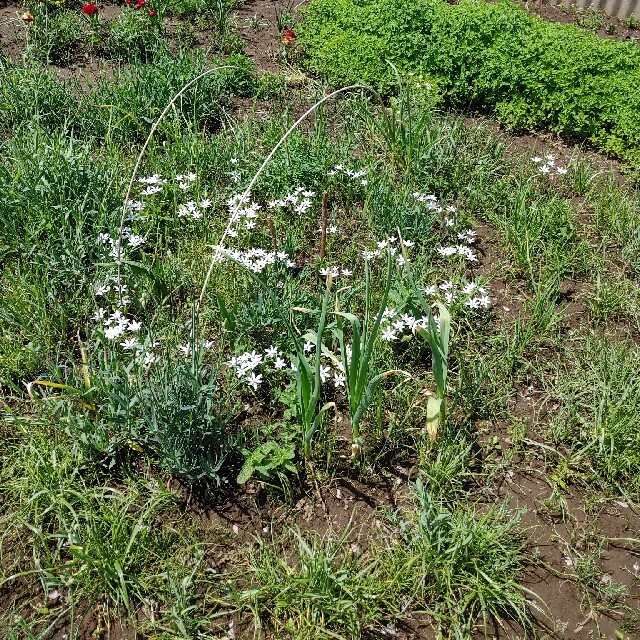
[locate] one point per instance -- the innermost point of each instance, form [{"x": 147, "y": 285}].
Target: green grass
[
  {"x": 146, "y": 473},
  {"x": 598, "y": 414}
]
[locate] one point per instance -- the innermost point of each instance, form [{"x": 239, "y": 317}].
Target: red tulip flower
[
  {"x": 289, "y": 37},
  {"x": 90, "y": 9},
  {"x": 153, "y": 13},
  {"x": 140, "y": 4}
]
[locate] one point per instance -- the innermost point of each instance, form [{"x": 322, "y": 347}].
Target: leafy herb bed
[{"x": 530, "y": 72}]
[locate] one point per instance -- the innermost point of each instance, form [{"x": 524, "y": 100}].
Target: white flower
[
  {"x": 233, "y": 160},
  {"x": 129, "y": 343},
  {"x": 561, "y": 170},
  {"x": 205, "y": 204},
  {"x": 325, "y": 373},
  {"x": 279, "y": 363},
  {"x": 308, "y": 347},
  {"x": 150, "y": 358},
  {"x": 470, "y": 287},
  {"x": 364, "y": 183},
  {"x": 388, "y": 334},
  {"x": 102, "y": 289},
  {"x": 408, "y": 243},
  {"x": 135, "y": 205},
  {"x": 99, "y": 314},
  {"x": 254, "y": 380},
  {"x": 184, "y": 349},
  {"x": 545, "y": 169},
  {"x": 430, "y": 290},
  {"x": 449, "y": 222},
  {"x": 537, "y": 159},
  {"x": 151, "y": 190},
  {"x": 388, "y": 313},
  {"x": 111, "y": 333},
  {"x": 134, "y": 326},
  {"x": 135, "y": 240},
  {"x": 339, "y": 379},
  {"x": 154, "y": 179},
  {"x": 346, "y": 273},
  {"x": 467, "y": 236},
  {"x": 271, "y": 352}
]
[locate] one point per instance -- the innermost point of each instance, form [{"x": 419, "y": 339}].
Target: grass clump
[
  {"x": 493, "y": 56},
  {"x": 319, "y": 586},
  {"x": 599, "y": 415},
  {"x": 461, "y": 566}
]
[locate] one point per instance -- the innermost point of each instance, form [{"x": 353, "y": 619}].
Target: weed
[
  {"x": 463, "y": 566},
  {"x": 323, "y": 586},
  {"x": 599, "y": 408}
]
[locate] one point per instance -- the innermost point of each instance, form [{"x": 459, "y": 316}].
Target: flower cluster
[
  {"x": 548, "y": 165},
  {"x": 394, "y": 324},
  {"x": 349, "y": 173},
  {"x": 115, "y": 324},
  {"x": 242, "y": 208},
  {"x": 255, "y": 259},
  {"x": 329, "y": 373},
  {"x": 116, "y": 247},
  {"x": 245, "y": 365},
  {"x": 387, "y": 247},
  {"x": 185, "y": 181},
  {"x": 135, "y": 209},
  {"x": 156, "y": 182},
  {"x": 475, "y": 297},
  {"x": 336, "y": 272},
  {"x": 289, "y": 37},
  {"x": 141, "y": 4},
  {"x": 192, "y": 209},
  {"x": 236, "y": 176},
  {"x": 299, "y": 200},
  {"x": 466, "y": 237}
]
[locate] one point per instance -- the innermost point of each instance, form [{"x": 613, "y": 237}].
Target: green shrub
[{"x": 530, "y": 72}]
